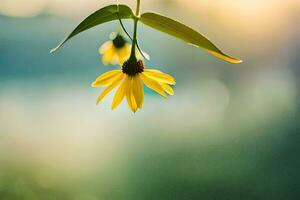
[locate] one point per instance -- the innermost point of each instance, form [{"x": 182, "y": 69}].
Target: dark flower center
[
  {"x": 133, "y": 67},
  {"x": 119, "y": 41}
]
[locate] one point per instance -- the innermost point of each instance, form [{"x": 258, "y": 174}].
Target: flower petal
[
  {"x": 168, "y": 89},
  {"x": 115, "y": 60},
  {"x": 107, "y": 45},
  {"x": 160, "y": 76},
  {"x": 106, "y": 78},
  {"x": 124, "y": 54},
  {"x": 108, "y": 56},
  {"x": 130, "y": 97},
  {"x": 153, "y": 84},
  {"x": 110, "y": 87},
  {"x": 120, "y": 94},
  {"x": 138, "y": 91}
]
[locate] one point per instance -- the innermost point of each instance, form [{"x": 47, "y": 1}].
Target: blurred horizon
[{"x": 229, "y": 132}]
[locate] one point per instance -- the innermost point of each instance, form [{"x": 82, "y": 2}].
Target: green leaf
[
  {"x": 103, "y": 15},
  {"x": 184, "y": 33}
]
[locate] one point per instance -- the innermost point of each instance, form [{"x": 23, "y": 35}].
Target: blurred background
[{"x": 230, "y": 132}]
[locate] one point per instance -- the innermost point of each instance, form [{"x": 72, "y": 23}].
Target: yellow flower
[
  {"x": 130, "y": 81},
  {"x": 115, "y": 51}
]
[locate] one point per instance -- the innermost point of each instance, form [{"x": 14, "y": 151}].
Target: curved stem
[
  {"x": 129, "y": 36},
  {"x": 124, "y": 29},
  {"x": 134, "y": 40}
]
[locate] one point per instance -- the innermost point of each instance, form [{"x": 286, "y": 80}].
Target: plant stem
[
  {"x": 138, "y": 5},
  {"x": 134, "y": 39}
]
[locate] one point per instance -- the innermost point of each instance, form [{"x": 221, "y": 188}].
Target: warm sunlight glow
[{"x": 22, "y": 8}]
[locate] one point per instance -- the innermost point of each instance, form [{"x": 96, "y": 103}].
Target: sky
[{"x": 75, "y": 8}]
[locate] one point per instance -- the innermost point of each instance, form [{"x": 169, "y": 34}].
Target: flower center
[
  {"x": 119, "y": 41},
  {"x": 132, "y": 67}
]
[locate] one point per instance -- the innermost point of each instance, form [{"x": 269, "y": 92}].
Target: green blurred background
[{"x": 230, "y": 132}]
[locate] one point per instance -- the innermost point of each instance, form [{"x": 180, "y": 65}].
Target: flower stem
[
  {"x": 138, "y": 5},
  {"x": 134, "y": 39}
]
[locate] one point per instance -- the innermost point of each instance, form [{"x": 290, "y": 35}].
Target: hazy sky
[{"x": 77, "y": 8}]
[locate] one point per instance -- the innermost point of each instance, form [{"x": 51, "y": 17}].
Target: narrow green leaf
[
  {"x": 184, "y": 33},
  {"x": 106, "y": 14}
]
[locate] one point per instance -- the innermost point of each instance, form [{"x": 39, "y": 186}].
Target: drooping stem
[
  {"x": 134, "y": 39},
  {"x": 129, "y": 36}
]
